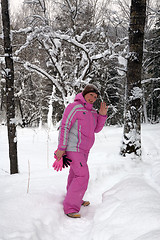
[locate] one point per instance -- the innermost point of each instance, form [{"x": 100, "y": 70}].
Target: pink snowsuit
[{"x": 79, "y": 123}]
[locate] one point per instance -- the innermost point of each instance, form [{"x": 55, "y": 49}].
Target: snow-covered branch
[
  {"x": 150, "y": 80},
  {"x": 101, "y": 55},
  {"x": 42, "y": 72}
]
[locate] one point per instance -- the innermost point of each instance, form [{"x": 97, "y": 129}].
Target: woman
[{"x": 79, "y": 123}]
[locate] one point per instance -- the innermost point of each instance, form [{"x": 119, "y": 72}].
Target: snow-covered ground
[{"x": 124, "y": 193}]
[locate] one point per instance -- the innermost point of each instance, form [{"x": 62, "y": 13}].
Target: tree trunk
[
  {"x": 144, "y": 108},
  {"x": 9, "y": 75},
  {"x": 132, "y": 123}
]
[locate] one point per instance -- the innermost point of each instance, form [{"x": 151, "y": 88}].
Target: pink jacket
[{"x": 79, "y": 123}]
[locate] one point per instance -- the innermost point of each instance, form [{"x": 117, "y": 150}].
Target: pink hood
[{"x": 79, "y": 98}]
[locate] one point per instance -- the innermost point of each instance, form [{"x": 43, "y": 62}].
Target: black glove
[{"x": 66, "y": 161}]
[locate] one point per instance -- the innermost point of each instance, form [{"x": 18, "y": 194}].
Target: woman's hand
[
  {"x": 103, "y": 109},
  {"x": 59, "y": 154}
]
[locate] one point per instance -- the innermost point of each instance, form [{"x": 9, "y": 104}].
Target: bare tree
[
  {"x": 132, "y": 125},
  {"x": 9, "y": 76}
]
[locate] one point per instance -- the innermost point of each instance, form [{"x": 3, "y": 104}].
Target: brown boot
[
  {"x": 85, "y": 203},
  {"x": 74, "y": 215}
]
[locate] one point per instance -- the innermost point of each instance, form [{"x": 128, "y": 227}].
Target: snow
[
  {"x": 136, "y": 93},
  {"x": 3, "y": 80},
  {"x": 132, "y": 56},
  {"x": 13, "y": 121},
  {"x": 122, "y": 61},
  {"x": 124, "y": 192}
]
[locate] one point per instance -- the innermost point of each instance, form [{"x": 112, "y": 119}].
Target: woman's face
[{"x": 91, "y": 97}]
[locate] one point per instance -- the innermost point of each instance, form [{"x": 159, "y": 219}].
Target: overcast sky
[{"x": 15, "y": 4}]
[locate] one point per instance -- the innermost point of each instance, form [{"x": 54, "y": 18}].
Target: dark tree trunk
[
  {"x": 132, "y": 124},
  {"x": 9, "y": 76}
]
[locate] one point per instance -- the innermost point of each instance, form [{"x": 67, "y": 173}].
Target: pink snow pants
[{"x": 77, "y": 182}]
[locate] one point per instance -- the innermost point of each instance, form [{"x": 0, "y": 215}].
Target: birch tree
[
  {"x": 132, "y": 124},
  {"x": 9, "y": 76}
]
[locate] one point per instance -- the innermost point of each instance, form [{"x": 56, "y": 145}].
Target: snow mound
[{"x": 130, "y": 211}]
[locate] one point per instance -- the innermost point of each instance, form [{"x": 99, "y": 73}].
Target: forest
[{"x": 60, "y": 46}]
